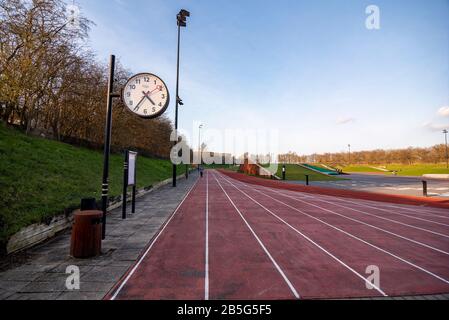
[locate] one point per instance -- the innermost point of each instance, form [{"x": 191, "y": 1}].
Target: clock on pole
[{"x": 146, "y": 95}]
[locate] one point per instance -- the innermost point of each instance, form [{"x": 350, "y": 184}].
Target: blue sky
[{"x": 310, "y": 69}]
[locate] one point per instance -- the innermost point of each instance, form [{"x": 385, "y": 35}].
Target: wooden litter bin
[{"x": 86, "y": 235}]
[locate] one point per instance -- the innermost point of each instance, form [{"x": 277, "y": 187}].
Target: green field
[
  {"x": 362, "y": 169},
  {"x": 298, "y": 173},
  {"x": 402, "y": 170},
  {"x": 40, "y": 178},
  {"x": 419, "y": 169}
]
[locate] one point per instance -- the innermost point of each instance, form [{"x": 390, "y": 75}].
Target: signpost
[{"x": 129, "y": 180}]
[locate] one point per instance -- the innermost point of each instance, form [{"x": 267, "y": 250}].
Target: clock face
[{"x": 146, "y": 95}]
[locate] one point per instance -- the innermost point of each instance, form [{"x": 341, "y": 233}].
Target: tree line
[
  {"x": 408, "y": 156},
  {"x": 53, "y": 85}
]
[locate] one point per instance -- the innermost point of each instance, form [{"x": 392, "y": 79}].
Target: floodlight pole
[
  {"x": 177, "y": 103},
  {"x": 349, "y": 146},
  {"x": 181, "y": 21},
  {"x": 445, "y": 131},
  {"x": 199, "y": 147},
  {"x": 107, "y": 143}
]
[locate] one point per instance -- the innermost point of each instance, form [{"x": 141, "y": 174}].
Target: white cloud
[
  {"x": 443, "y": 112},
  {"x": 345, "y": 120},
  {"x": 435, "y": 127}
]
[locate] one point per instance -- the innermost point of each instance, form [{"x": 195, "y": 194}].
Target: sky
[{"x": 309, "y": 70}]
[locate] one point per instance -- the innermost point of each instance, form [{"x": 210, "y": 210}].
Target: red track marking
[
  {"x": 406, "y": 209},
  {"x": 425, "y": 239},
  {"x": 424, "y": 225},
  {"x": 315, "y": 271},
  {"x": 399, "y": 278},
  {"x": 174, "y": 269},
  {"x": 239, "y": 268},
  {"x": 441, "y": 215},
  {"x": 419, "y": 255},
  {"x": 433, "y": 239},
  {"x": 398, "y": 199},
  {"x": 393, "y": 214}
]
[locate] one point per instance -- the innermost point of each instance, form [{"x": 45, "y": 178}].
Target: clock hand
[
  {"x": 138, "y": 105},
  {"x": 147, "y": 95}
]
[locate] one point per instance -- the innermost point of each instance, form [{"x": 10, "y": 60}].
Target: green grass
[
  {"x": 362, "y": 169},
  {"x": 402, "y": 170},
  {"x": 40, "y": 178},
  {"x": 298, "y": 173},
  {"x": 419, "y": 169}
]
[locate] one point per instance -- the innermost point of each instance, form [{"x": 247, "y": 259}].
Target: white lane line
[
  {"x": 389, "y": 211},
  {"x": 278, "y": 268},
  {"x": 359, "y": 239},
  {"x": 152, "y": 244},
  {"x": 206, "y": 277},
  {"x": 362, "y": 222},
  {"x": 310, "y": 240},
  {"x": 416, "y": 210},
  {"x": 383, "y": 218},
  {"x": 303, "y": 196}
]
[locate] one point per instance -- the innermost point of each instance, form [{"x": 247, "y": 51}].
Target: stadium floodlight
[{"x": 182, "y": 18}]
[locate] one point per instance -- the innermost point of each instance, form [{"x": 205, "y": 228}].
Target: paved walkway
[{"x": 40, "y": 273}]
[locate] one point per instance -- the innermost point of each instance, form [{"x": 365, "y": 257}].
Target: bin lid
[{"x": 93, "y": 214}]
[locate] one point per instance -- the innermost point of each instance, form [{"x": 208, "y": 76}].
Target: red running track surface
[{"x": 229, "y": 239}]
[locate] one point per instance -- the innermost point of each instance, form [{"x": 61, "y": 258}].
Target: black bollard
[{"x": 424, "y": 186}]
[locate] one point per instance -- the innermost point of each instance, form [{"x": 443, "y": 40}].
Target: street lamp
[
  {"x": 199, "y": 146},
  {"x": 349, "y": 146},
  {"x": 445, "y": 132},
  {"x": 182, "y": 22}
]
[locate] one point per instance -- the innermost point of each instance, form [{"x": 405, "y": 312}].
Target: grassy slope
[
  {"x": 297, "y": 173},
  {"x": 362, "y": 169},
  {"x": 403, "y": 170},
  {"x": 40, "y": 178},
  {"x": 419, "y": 169}
]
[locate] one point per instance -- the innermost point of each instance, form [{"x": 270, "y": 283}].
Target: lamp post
[
  {"x": 181, "y": 21},
  {"x": 199, "y": 146},
  {"x": 349, "y": 146},
  {"x": 445, "y": 132}
]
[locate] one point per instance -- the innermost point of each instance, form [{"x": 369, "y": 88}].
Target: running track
[{"x": 231, "y": 240}]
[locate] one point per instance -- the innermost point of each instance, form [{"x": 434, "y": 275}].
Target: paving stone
[
  {"x": 13, "y": 286},
  {"x": 44, "y": 287},
  {"x": 79, "y": 295},
  {"x": 105, "y": 274},
  {"x": 20, "y": 276},
  {"x": 35, "y": 296}
]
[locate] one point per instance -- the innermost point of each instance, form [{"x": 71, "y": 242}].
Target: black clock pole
[{"x": 107, "y": 143}]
